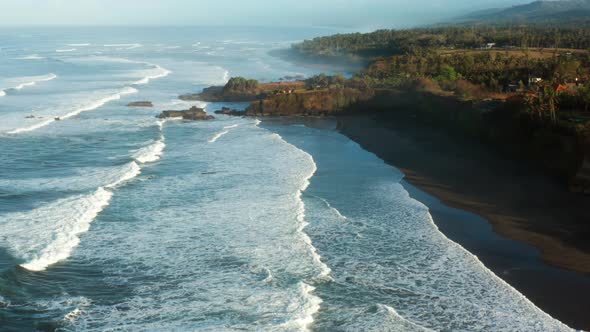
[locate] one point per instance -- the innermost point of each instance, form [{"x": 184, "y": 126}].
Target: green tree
[{"x": 447, "y": 73}]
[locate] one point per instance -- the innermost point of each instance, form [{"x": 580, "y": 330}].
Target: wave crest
[
  {"x": 89, "y": 107},
  {"x": 150, "y": 153},
  {"x": 23, "y": 82}
]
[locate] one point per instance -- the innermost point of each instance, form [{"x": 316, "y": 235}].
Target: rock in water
[
  {"x": 140, "y": 104},
  {"x": 229, "y": 111},
  {"x": 192, "y": 114}
]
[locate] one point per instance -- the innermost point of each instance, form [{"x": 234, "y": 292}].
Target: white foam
[
  {"x": 81, "y": 179},
  {"x": 325, "y": 270},
  {"x": 226, "y": 130},
  {"x": 150, "y": 153},
  {"x": 31, "y": 57},
  {"x": 73, "y": 315},
  {"x": 313, "y": 301},
  {"x": 31, "y": 128},
  {"x": 331, "y": 208},
  {"x": 49, "y": 234},
  {"x": 67, "y": 50},
  {"x": 89, "y": 107},
  {"x": 131, "y": 171},
  {"x": 36, "y": 80},
  {"x": 65, "y": 220},
  {"x": 125, "y": 46},
  {"x": 157, "y": 72},
  {"x": 218, "y": 136},
  {"x": 23, "y": 82},
  {"x": 303, "y": 318},
  {"x": 101, "y": 102},
  {"x": 407, "y": 324},
  {"x": 269, "y": 277}
]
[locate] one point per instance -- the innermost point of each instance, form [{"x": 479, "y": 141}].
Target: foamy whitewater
[{"x": 111, "y": 219}]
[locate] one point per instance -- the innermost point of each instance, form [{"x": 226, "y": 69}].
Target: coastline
[{"x": 528, "y": 242}]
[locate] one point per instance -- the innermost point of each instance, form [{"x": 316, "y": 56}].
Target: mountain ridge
[{"x": 569, "y": 12}]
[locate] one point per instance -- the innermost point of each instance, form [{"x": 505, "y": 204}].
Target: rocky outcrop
[
  {"x": 229, "y": 111},
  {"x": 230, "y": 94},
  {"x": 140, "y": 104},
  {"x": 220, "y": 94},
  {"x": 311, "y": 103},
  {"x": 192, "y": 114}
]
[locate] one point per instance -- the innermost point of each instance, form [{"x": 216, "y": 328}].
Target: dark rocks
[
  {"x": 140, "y": 104},
  {"x": 220, "y": 94},
  {"x": 229, "y": 111},
  {"x": 192, "y": 114}
]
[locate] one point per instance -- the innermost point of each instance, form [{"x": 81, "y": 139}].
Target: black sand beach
[{"x": 533, "y": 234}]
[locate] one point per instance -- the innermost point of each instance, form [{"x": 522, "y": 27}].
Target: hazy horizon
[{"x": 368, "y": 14}]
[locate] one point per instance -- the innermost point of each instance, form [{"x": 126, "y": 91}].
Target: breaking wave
[
  {"x": 125, "y": 46},
  {"x": 218, "y": 136},
  {"x": 31, "y": 57},
  {"x": 157, "y": 72},
  {"x": 53, "y": 230},
  {"x": 24, "y": 82},
  {"x": 89, "y": 107},
  {"x": 151, "y": 153}
]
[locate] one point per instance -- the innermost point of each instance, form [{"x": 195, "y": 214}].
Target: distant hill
[{"x": 564, "y": 12}]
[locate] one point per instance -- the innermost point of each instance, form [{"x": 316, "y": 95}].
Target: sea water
[{"x": 111, "y": 219}]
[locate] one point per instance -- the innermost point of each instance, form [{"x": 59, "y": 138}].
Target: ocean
[{"x": 114, "y": 220}]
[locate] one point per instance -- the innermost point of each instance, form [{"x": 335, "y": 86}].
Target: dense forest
[
  {"x": 528, "y": 86},
  {"x": 416, "y": 41},
  {"x": 471, "y": 63}
]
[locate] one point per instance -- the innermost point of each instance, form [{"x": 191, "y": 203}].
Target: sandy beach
[{"x": 523, "y": 225}]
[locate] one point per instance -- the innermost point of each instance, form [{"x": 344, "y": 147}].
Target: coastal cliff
[
  {"x": 561, "y": 151},
  {"x": 239, "y": 89},
  {"x": 309, "y": 103}
]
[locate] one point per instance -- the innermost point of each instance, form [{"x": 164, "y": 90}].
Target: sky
[{"x": 345, "y": 13}]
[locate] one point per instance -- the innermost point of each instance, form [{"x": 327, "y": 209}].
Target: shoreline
[{"x": 467, "y": 203}]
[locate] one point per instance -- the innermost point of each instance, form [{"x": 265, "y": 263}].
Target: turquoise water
[{"x": 111, "y": 219}]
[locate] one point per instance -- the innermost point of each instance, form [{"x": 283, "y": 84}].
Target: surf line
[
  {"x": 305, "y": 319},
  {"x": 89, "y": 107},
  {"x": 63, "y": 243},
  {"x": 222, "y": 133},
  {"x": 33, "y": 81},
  {"x": 86, "y": 208}
]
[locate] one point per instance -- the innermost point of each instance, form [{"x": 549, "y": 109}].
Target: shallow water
[{"x": 111, "y": 219}]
